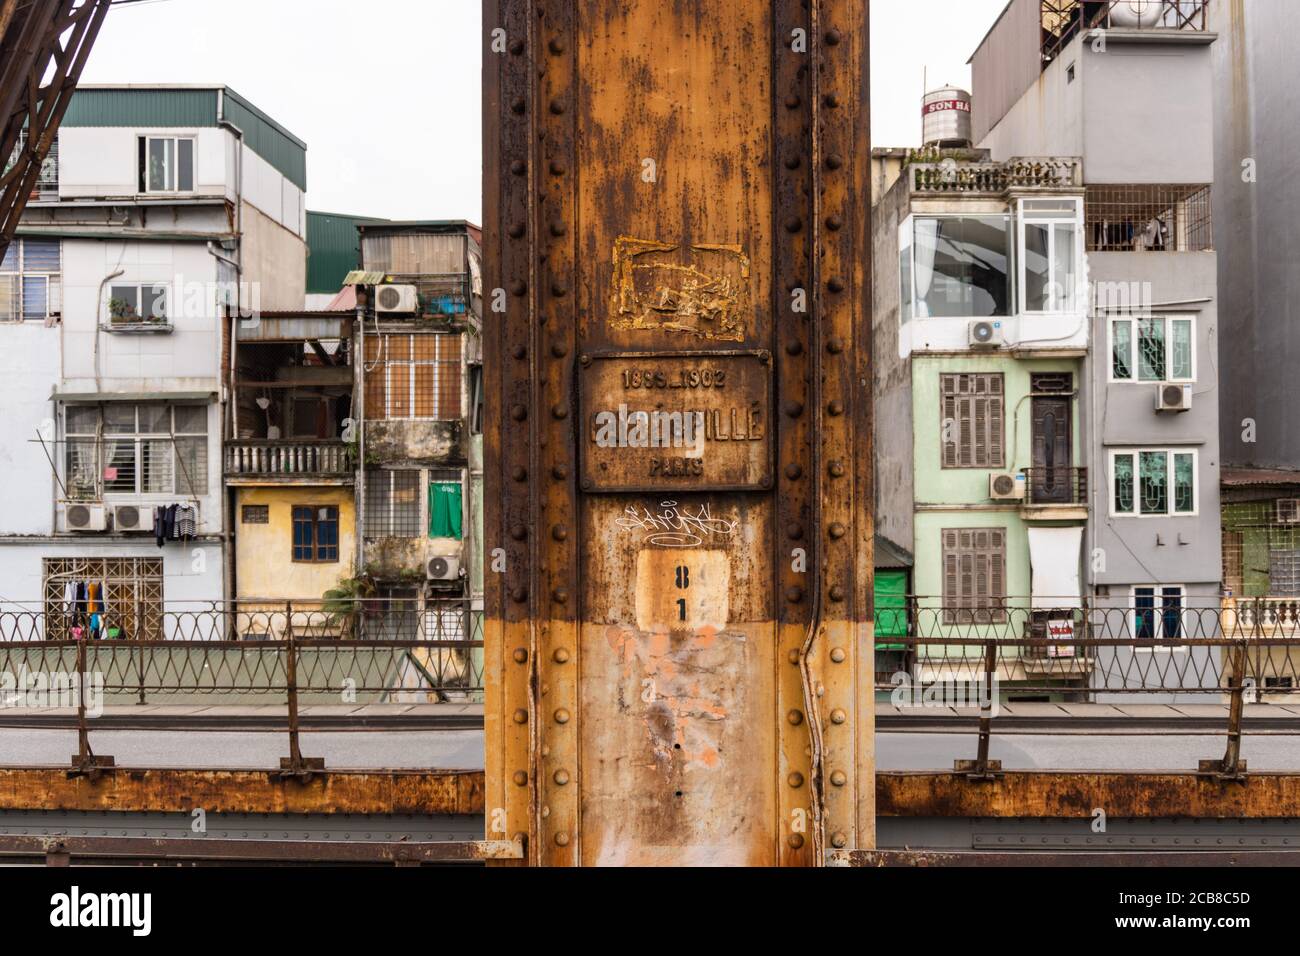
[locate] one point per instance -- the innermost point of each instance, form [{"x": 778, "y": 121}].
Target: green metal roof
[
  {"x": 189, "y": 107},
  {"x": 333, "y": 249}
]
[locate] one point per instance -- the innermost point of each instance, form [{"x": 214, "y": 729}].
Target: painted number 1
[{"x": 683, "y": 582}]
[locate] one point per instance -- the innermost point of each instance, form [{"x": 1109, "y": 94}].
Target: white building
[{"x": 161, "y": 208}]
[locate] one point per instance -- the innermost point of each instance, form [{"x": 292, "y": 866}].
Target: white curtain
[{"x": 927, "y": 244}]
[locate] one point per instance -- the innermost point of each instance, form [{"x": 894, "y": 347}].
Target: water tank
[
  {"x": 1135, "y": 14},
  {"x": 945, "y": 118}
]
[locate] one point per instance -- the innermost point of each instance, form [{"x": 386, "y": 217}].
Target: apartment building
[
  {"x": 1130, "y": 90},
  {"x": 981, "y": 334},
  {"x": 419, "y": 380},
  {"x": 162, "y": 211}
]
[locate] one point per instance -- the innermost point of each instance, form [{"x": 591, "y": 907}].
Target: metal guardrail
[
  {"x": 345, "y": 651},
  {"x": 1056, "y": 486}
]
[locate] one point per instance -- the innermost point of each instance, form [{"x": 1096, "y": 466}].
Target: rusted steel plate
[
  {"x": 1068, "y": 794},
  {"x": 676, "y": 217},
  {"x": 663, "y": 421},
  {"x": 244, "y": 791}
]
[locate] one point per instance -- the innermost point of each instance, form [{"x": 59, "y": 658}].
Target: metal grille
[
  {"x": 1261, "y": 548},
  {"x": 132, "y": 595},
  {"x": 413, "y": 376},
  {"x": 1151, "y": 218},
  {"x": 972, "y": 420},
  {"x": 974, "y": 575},
  {"x": 392, "y": 503}
]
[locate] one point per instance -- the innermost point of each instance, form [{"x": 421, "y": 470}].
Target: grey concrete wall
[
  {"x": 1135, "y": 112},
  {"x": 1258, "y": 227},
  {"x": 1181, "y": 550},
  {"x": 892, "y": 378}
]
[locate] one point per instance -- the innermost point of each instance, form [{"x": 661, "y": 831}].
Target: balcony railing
[
  {"x": 1056, "y": 486},
  {"x": 287, "y": 458},
  {"x": 951, "y": 176}
]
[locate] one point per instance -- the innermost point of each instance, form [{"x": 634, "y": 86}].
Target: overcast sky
[{"x": 386, "y": 93}]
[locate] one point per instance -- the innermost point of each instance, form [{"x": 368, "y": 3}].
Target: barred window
[
  {"x": 413, "y": 376},
  {"x": 392, "y": 503},
  {"x": 128, "y": 449},
  {"x": 1149, "y": 218},
  {"x": 128, "y": 596},
  {"x": 971, "y": 420},
  {"x": 1152, "y": 349},
  {"x": 974, "y": 576},
  {"x": 1152, "y": 482}
]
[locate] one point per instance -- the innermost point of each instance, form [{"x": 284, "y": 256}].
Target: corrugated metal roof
[
  {"x": 333, "y": 249},
  {"x": 1247, "y": 477},
  {"x": 362, "y": 277}
]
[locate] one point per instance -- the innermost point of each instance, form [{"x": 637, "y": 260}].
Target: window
[
  {"x": 1050, "y": 257},
  {"x": 315, "y": 533},
  {"x": 166, "y": 164},
  {"x": 255, "y": 514},
  {"x": 413, "y": 376},
  {"x": 137, "y": 302},
  {"x": 958, "y": 266},
  {"x": 971, "y": 420},
  {"x": 1158, "y": 612},
  {"x": 1153, "y": 482},
  {"x": 31, "y": 281},
  {"x": 392, "y": 503},
  {"x": 974, "y": 576},
  {"x": 1152, "y": 349},
  {"x": 127, "y": 449},
  {"x": 46, "y": 187}
]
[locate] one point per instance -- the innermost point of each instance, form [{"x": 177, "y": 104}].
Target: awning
[
  {"x": 1054, "y": 568},
  {"x": 133, "y": 396}
]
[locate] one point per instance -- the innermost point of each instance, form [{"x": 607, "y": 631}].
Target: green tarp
[
  {"x": 891, "y": 608},
  {"x": 444, "y": 509}
]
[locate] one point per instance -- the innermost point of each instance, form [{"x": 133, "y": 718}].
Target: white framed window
[
  {"x": 134, "y": 302},
  {"x": 166, "y": 164},
  {"x": 953, "y": 266},
  {"x": 1153, "y": 349},
  {"x": 1153, "y": 482},
  {"x": 1158, "y": 613},
  {"x": 121, "y": 448},
  {"x": 1050, "y": 254},
  {"x": 31, "y": 280}
]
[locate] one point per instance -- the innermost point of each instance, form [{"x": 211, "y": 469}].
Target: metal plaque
[{"x": 676, "y": 421}]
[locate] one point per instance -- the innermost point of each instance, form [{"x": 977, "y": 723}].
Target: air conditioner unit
[
  {"x": 1007, "y": 486},
  {"x": 1173, "y": 398},
  {"x": 1288, "y": 510},
  {"x": 397, "y": 298},
  {"x": 443, "y": 568},
  {"x": 984, "y": 335},
  {"x": 85, "y": 516},
  {"x": 132, "y": 519}
]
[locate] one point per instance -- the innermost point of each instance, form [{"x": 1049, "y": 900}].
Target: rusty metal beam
[
  {"x": 1071, "y": 794},
  {"x": 921, "y": 859},
  {"x": 51, "y": 37},
  {"x": 66, "y": 850},
  {"x": 243, "y": 791}
]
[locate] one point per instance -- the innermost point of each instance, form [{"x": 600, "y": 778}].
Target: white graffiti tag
[{"x": 676, "y": 526}]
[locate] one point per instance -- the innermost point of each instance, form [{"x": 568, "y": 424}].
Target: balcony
[
  {"x": 1055, "y": 494},
  {"x": 287, "y": 461},
  {"x": 1063, "y": 20}
]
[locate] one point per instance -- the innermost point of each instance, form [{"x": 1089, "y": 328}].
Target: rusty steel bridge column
[{"x": 678, "y": 466}]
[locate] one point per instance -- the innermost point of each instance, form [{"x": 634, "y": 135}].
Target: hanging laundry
[
  {"x": 187, "y": 520},
  {"x": 164, "y": 524}
]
